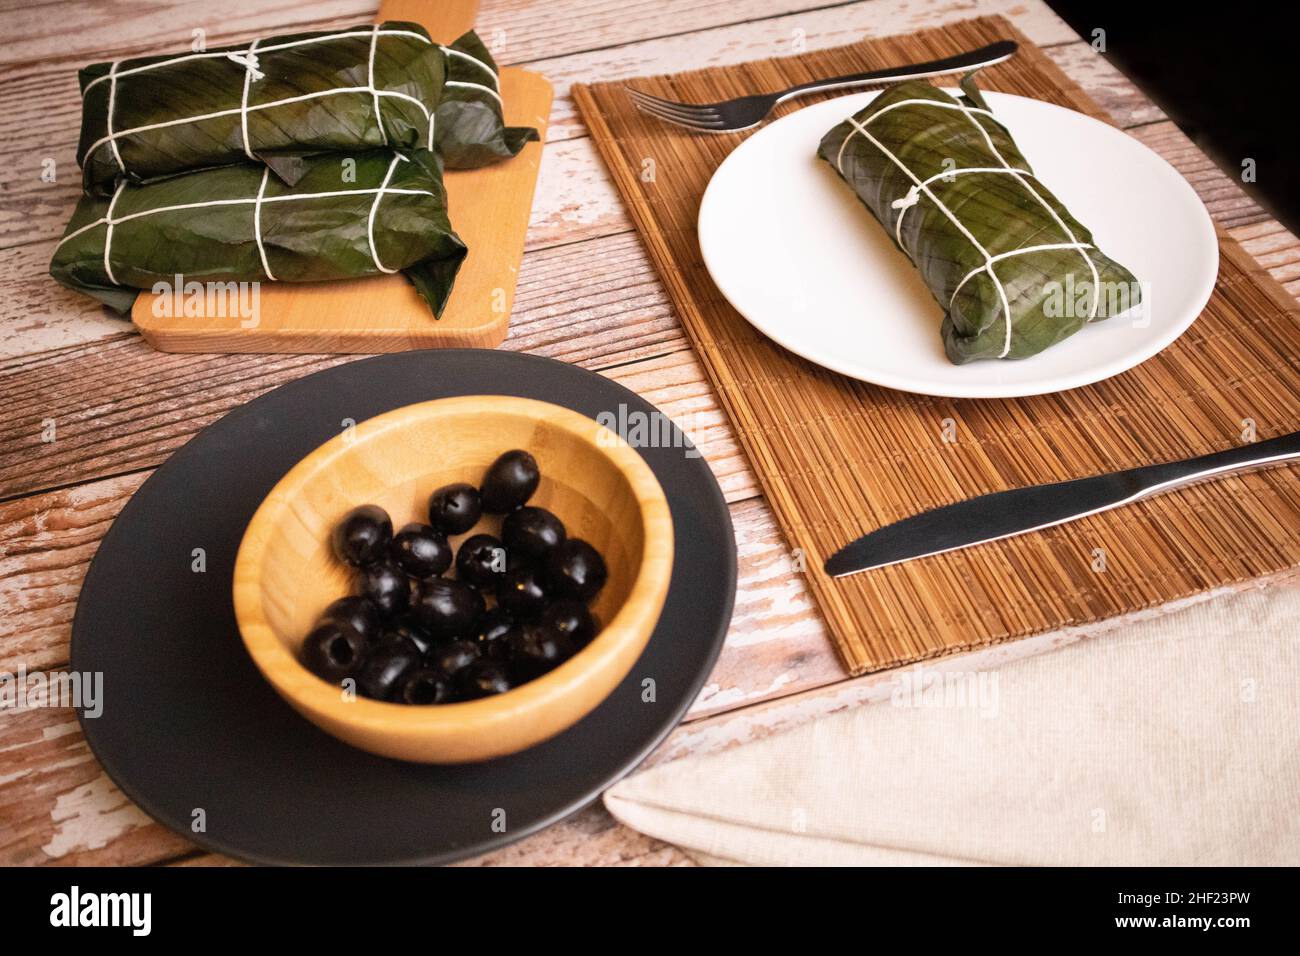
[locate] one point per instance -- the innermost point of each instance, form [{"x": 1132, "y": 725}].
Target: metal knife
[{"x": 1006, "y": 513}]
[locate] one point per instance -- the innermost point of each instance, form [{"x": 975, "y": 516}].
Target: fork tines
[{"x": 683, "y": 114}]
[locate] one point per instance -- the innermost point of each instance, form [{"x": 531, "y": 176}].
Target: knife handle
[{"x": 1152, "y": 479}]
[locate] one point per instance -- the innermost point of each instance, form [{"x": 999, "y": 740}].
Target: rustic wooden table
[{"x": 587, "y": 294}]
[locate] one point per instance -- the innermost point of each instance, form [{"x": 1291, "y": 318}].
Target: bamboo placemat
[{"x": 837, "y": 457}]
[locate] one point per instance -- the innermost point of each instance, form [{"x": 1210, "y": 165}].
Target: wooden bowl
[{"x": 285, "y": 572}]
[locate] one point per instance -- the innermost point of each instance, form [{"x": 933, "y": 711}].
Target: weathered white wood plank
[
  {"x": 117, "y": 406},
  {"x": 58, "y": 805},
  {"x": 1113, "y": 91},
  {"x": 1274, "y": 247},
  {"x": 42, "y": 315},
  {"x": 778, "y": 641},
  {"x": 575, "y": 198},
  {"x": 46, "y": 544},
  {"x": 1223, "y": 196},
  {"x": 87, "y": 31},
  {"x": 593, "y": 303},
  {"x": 517, "y": 31},
  {"x": 589, "y": 838}
]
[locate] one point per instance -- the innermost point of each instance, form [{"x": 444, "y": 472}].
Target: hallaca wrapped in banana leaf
[
  {"x": 379, "y": 211},
  {"x": 994, "y": 246},
  {"x": 282, "y": 99},
  {"x": 470, "y": 125}
]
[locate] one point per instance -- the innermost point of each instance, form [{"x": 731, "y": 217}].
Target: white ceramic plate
[{"x": 792, "y": 248}]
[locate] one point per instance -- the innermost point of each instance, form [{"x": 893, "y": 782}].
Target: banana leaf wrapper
[
  {"x": 283, "y": 99},
  {"x": 378, "y": 212},
  {"x": 470, "y": 126},
  {"x": 1014, "y": 272}
]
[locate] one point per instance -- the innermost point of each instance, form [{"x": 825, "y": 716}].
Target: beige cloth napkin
[{"x": 1175, "y": 741}]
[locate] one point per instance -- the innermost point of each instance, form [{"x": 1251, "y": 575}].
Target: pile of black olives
[{"x": 516, "y": 608}]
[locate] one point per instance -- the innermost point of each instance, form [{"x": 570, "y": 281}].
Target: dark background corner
[{"x": 1227, "y": 73}]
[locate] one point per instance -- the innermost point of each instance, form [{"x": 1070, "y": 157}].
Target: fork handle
[{"x": 984, "y": 56}]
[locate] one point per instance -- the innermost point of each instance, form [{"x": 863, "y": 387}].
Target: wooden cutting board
[
  {"x": 489, "y": 209},
  {"x": 838, "y": 458}
]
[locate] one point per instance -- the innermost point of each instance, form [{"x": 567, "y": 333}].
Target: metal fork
[{"x": 748, "y": 111}]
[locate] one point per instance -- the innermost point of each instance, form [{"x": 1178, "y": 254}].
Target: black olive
[
  {"x": 516, "y": 560},
  {"x": 422, "y": 552},
  {"x": 409, "y": 629},
  {"x": 385, "y": 667},
  {"x": 535, "y": 649},
  {"x": 362, "y": 536},
  {"x": 481, "y": 560},
  {"x": 483, "y": 678},
  {"x": 522, "y": 593},
  {"x": 447, "y": 608},
  {"x": 454, "y": 656},
  {"x": 359, "y": 612},
  {"x": 387, "y": 586},
  {"x": 576, "y": 570},
  {"x": 532, "y": 532},
  {"x": 510, "y": 482},
  {"x": 493, "y": 629},
  {"x": 425, "y": 686},
  {"x": 333, "y": 650},
  {"x": 572, "y": 619},
  {"x": 454, "y": 509}
]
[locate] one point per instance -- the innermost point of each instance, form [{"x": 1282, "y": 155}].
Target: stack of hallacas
[{"x": 292, "y": 158}]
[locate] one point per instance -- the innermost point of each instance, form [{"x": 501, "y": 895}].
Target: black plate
[{"x": 189, "y": 725}]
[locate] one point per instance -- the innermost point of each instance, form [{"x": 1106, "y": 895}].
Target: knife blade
[{"x": 1002, "y": 514}]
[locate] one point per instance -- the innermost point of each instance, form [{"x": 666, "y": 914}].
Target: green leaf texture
[
  {"x": 914, "y": 135},
  {"x": 204, "y": 225},
  {"x": 470, "y": 130},
  {"x": 293, "y": 96}
]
